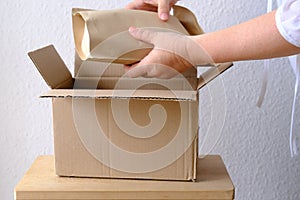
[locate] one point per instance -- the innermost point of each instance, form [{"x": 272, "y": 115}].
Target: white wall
[{"x": 254, "y": 142}]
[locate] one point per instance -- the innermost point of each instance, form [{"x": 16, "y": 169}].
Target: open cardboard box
[{"x": 101, "y": 130}]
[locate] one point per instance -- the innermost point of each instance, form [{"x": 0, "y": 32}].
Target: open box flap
[
  {"x": 175, "y": 95},
  {"x": 56, "y": 74},
  {"x": 52, "y": 67},
  {"x": 212, "y": 73}
]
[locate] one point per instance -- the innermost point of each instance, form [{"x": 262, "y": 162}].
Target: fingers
[
  {"x": 135, "y": 71},
  {"x": 151, "y": 71},
  {"x": 132, "y": 5},
  {"x": 163, "y": 9},
  {"x": 141, "y": 5},
  {"x": 143, "y": 35},
  {"x": 136, "y": 4},
  {"x": 152, "y": 66},
  {"x": 185, "y": 48}
]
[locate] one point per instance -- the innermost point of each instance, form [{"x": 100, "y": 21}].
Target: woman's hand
[
  {"x": 162, "y": 7},
  {"x": 172, "y": 53}
]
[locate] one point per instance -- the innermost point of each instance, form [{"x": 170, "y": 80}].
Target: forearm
[{"x": 255, "y": 39}]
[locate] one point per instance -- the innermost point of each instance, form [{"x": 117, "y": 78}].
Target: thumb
[{"x": 143, "y": 34}]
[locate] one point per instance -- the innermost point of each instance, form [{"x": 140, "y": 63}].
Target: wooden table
[{"x": 40, "y": 182}]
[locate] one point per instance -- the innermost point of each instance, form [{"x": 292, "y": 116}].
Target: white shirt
[
  {"x": 288, "y": 21},
  {"x": 288, "y": 24}
]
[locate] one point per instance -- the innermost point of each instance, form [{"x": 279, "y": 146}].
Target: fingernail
[
  {"x": 131, "y": 29},
  {"x": 164, "y": 16}
]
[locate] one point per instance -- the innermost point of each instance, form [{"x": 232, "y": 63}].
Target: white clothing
[{"x": 288, "y": 21}]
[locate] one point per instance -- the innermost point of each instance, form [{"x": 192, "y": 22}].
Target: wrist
[{"x": 200, "y": 52}]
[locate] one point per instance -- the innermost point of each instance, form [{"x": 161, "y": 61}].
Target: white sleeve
[{"x": 288, "y": 21}]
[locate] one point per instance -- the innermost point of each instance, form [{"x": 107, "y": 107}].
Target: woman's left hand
[{"x": 172, "y": 53}]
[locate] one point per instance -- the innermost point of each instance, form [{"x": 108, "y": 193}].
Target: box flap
[
  {"x": 175, "y": 95},
  {"x": 212, "y": 73},
  {"x": 52, "y": 67}
]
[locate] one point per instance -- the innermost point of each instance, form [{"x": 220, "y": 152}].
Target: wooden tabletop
[{"x": 40, "y": 182}]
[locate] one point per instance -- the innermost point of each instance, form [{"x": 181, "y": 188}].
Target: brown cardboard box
[{"x": 122, "y": 132}]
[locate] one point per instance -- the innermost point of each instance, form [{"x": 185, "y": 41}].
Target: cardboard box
[
  {"x": 87, "y": 75},
  {"x": 122, "y": 132}
]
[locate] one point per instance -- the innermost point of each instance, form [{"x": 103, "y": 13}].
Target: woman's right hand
[{"x": 162, "y": 7}]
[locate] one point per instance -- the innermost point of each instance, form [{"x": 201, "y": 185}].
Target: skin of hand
[
  {"x": 162, "y": 7},
  {"x": 172, "y": 54},
  {"x": 255, "y": 39}
]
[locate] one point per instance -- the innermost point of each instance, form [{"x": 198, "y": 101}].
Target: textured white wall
[{"x": 253, "y": 143}]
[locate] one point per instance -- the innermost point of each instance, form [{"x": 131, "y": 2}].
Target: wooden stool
[{"x": 40, "y": 182}]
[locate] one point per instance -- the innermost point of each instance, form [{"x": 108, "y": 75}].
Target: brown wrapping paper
[{"x": 102, "y": 35}]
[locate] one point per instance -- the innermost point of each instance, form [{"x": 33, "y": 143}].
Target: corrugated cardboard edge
[
  {"x": 195, "y": 158},
  {"x": 174, "y": 95},
  {"x": 212, "y": 73}
]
